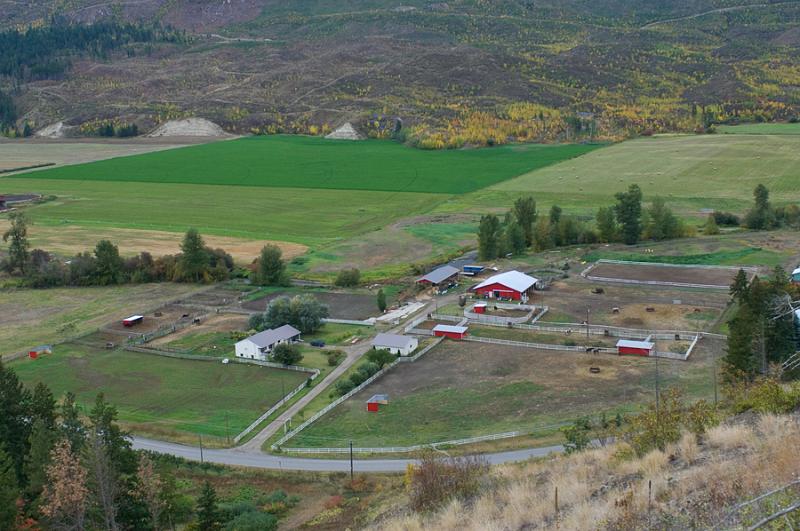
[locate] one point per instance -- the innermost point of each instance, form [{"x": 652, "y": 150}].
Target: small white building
[
  {"x": 396, "y": 344},
  {"x": 260, "y": 346}
]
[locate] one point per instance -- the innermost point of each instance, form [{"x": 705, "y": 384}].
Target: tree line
[
  {"x": 63, "y": 468},
  {"x": 104, "y": 266},
  {"x": 626, "y": 221}
]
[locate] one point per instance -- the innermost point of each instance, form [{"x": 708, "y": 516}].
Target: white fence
[
  {"x": 541, "y": 346},
  {"x": 342, "y": 398},
  {"x": 585, "y": 274},
  {"x": 368, "y": 322},
  {"x": 271, "y": 410},
  {"x": 406, "y": 449}
]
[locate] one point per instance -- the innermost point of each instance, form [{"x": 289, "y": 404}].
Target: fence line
[
  {"x": 541, "y": 346},
  {"x": 585, "y": 274},
  {"x": 344, "y": 397},
  {"x": 614, "y": 331},
  {"x": 272, "y": 410},
  {"x": 368, "y": 322},
  {"x": 182, "y": 354}
]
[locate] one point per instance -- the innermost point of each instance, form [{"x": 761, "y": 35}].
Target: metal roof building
[{"x": 437, "y": 276}]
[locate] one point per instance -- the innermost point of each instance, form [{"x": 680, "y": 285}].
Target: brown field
[
  {"x": 170, "y": 315},
  {"x": 569, "y": 299},
  {"x": 73, "y": 239},
  {"x": 215, "y": 323},
  {"x": 30, "y": 152},
  {"x": 354, "y": 306},
  {"x": 658, "y": 273}
]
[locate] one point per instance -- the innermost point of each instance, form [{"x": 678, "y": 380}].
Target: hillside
[{"x": 472, "y": 70}]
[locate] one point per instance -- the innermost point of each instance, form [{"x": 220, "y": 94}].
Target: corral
[
  {"x": 468, "y": 389},
  {"x": 161, "y": 396},
  {"x": 661, "y": 274}
]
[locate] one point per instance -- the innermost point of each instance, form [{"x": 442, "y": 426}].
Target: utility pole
[
  {"x": 351, "y": 462},
  {"x": 227, "y": 429},
  {"x": 587, "y": 324},
  {"x": 658, "y": 409},
  {"x": 201, "y": 448}
]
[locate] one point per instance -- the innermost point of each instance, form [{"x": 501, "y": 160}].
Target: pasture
[
  {"x": 468, "y": 389},
  {"x": 161, "y": 396},
  {"x": 760, "y": 129},
  {"x": 692, "y": 172},
  {"x": 34, "y": 317},
  {"x": 310, "y": 162}
]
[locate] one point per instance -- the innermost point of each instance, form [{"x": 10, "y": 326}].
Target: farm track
[{"x": 714, "y": 12}]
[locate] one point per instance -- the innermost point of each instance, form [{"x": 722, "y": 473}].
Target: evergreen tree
[
  {"x": 739, "y": 287},
  {"x": 208, "y": 518},
  {"x": 628, "y": 211},
  {"x": 72, "y": 429},
  {"x": 271, "y": 269},
  {"x": 9, "y": 491},
  {"x": 41, "y": 442},
  {"x": 662, "y": 224},
  {"x": 18, "y": 245},
  {"x": 741, "y": 360},
  {"x": 606, "y": 224},
  {"x": 14, "y": 418},
  {"x": 761, "y": 216},
  {"x": 525, "y": 214},
  {"x": 108, "y": 263},
  {"x": 194, "y": 257},
  {"x": 489, "y": 237},
  {"x": 381, "y": 301}
]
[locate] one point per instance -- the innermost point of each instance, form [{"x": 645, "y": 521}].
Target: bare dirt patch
[
  {"x": 658, "y": 273},
  {"x": 216, "y": 323},
  {"x": 71, "y": 239},
  {"x": 354, "y": 306}
]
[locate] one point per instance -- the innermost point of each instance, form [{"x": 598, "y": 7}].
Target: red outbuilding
[
  {"x": 479, "y": 307},
  {"x": 452, "y": 332},
  {"x": 374, "y": 404},
  {"x": 133, "y": 320},
  {"x": 38, "y": 351},
  {"x": 511, "y": 285},
  {"x": 637, "y": 348}
]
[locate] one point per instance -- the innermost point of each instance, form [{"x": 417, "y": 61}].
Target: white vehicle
[{"x": 225, "y": 361}]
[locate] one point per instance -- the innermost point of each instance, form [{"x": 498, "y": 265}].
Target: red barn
[
  {"x": 637, "y": 348},
  {"x": 374, "y": 404},
  {"x": 452, "y": 332},
  {"x": 511, "y": 285},
  {"x": 133, "y": 320}
]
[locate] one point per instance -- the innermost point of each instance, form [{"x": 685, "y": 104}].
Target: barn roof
[
  {"x": 392, "y": 341},
  {"x": 272, "y": 336},
  {"x": 796, "y": 271},
  {"x": 439, "y": 275},
  {"x": 450, "y": 329},
  {"x": 627, "y": 343},
  {"x": 512, "y": 279}
]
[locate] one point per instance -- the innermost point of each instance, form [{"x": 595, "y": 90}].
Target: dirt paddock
[{"x": 661, "y": 274}]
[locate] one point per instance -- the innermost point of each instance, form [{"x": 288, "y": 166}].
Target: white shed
[{"x": 396, "y": 344}]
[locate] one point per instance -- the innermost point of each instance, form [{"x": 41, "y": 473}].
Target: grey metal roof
[
  {"x": 439, "y": 275},
  {"x": 270, "y": 337},
  {"x": 392, "y": 341}
]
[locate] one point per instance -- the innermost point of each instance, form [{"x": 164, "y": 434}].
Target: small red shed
[
  {"x": 479, "y": 307},
  {"x": 636, "y": 348},
  {"x": 374, "y": 403},
  {"x": 38, "y": 351},
  {"x": 133, "y": 320},
  {"x": 451, "y": 332}
]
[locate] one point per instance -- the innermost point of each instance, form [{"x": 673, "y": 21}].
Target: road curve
[{"x": 235, "y": 457}]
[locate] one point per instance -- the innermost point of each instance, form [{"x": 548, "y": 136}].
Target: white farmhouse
[
  {"x": 396, "y": 344},
  {"x": 260, "y": 346}
]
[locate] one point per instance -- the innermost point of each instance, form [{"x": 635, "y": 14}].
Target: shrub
[
  {"x": 287, "y": 354},
  {"x": 335, "y": 357},
  {"x": 434, "y": 481},
  {"x": 765, "y": 396},
  {"x": 726, "y": 219},
  {"x": 348, "y": 278},
  {"x": 344, "y": 386},
  {"x": 381, "y": 358}
]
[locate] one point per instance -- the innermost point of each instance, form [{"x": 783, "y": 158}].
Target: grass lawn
[
  {"x": 33, "y": 317},
  {"x": 162, "y": 396},
  {"x": 469, "y": 389},
  {"x": 219, "y": 344},
  {"x": 760, "y": 129},
  {"x": 337, "y": 334},
  {"x": 308, "y": 162}
]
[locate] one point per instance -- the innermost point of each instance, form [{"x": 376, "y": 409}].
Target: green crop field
[
  {"x": 694, "y": 172},
  {"x": 163, "y": 396},
  {"x": 309, "y": 162},
  {"x": 760, "y": 129}
]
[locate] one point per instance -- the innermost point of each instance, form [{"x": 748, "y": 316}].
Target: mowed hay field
[
  {"x": 162, "y": 396},
  {"x": 463, "y": 389},
  {"x": 29, "y": 318},
  {"x": 692, "y": 172},
  {"x": 310, "y": 162}
]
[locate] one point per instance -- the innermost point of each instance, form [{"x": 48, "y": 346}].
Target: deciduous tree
[
  {"x": 18, "y": 245},
  {"x": 193, "y": 261},
  {"x": 628, "y": 211},
  {"x": 381, "y": 301},
  {"x": 525, "y": 214},
  {"x": 286, "y": 354},
  {"x": 108, "y": 263},
  {"x": 489, "y": 237},
  {"x": 65, "y": 494},
  {"x": 271, "y": 270},
  {"x": 606, "y": 224}
]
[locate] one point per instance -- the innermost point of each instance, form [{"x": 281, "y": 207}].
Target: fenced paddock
[{"x": 658, "y": 274}]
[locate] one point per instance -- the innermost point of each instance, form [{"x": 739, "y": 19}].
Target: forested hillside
[{"x": 465, "y": 71}]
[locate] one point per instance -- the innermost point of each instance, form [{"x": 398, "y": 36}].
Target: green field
[
  {"x": 694, "y": 172},
  {"x": 162, "y": 396},
  {"x": 760, "y": 129},
  {"x": 309, "y": 162}
]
